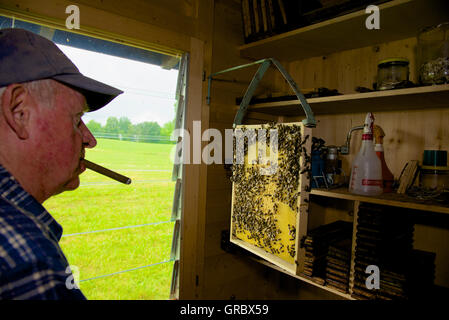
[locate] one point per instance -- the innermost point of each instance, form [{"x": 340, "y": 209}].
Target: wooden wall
[
  {"x": 167, "y": 25},
  {"x": 226, "y": 276},
  {"x": 408, "y": 133},
  {"x": 234, "y": 275}
]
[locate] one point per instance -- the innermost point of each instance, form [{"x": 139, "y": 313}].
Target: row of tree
[{"x": 124, "y": 126}]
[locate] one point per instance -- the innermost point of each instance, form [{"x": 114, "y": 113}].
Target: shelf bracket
[{"x": 265, "y": 64}]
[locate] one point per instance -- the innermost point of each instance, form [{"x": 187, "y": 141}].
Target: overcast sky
[{"x": 149, "y": 89}]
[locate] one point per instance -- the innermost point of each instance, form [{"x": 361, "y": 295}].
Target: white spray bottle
[{"x": 366, "y": 173}]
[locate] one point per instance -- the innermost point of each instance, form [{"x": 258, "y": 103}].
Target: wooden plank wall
[
  {"x": 233, "y": 275},
  {"x": 134, "y": 20},
  {"x": 408, "y": 133},
  {"x": 225, "y": 275}
]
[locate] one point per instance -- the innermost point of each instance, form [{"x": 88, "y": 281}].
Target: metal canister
[{"x": 392, "y": 73}]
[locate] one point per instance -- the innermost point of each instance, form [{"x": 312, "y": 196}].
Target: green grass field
[{"x": 101, "y": 203}]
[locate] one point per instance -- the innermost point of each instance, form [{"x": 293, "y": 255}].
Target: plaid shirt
[{"x": 32, "y": 265}]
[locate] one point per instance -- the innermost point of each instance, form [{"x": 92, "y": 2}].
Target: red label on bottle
[
  {"x": 367, "y": 136},
  {"x": 368, "y": 182}
]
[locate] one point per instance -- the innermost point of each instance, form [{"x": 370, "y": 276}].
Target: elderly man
[{"x": 42, "y": 99}]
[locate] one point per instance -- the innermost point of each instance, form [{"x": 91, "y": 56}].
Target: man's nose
[{"x": 89, "y": 140}]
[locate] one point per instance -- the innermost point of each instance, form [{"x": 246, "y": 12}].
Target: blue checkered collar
[{"x": 12, "y": 191}]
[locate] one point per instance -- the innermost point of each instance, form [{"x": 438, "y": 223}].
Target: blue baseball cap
[{"x": 26, "y": 56}]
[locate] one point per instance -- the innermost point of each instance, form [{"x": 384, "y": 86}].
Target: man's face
[{"x": 61, "y": 139}]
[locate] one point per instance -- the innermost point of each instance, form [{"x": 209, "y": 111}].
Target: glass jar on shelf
[
  {"x": 433, "y": 54},
  {"x": 392, "y": 73}
]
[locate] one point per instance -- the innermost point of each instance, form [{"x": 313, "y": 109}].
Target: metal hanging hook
[{"x": 265, "y": 64}]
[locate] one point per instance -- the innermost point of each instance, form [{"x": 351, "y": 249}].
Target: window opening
[{"x": 121, "y": 236}]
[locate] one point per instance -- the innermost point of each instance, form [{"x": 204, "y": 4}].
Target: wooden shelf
[
  {"x": 309, "y": 281},
  {"x": 437, "y": 293},
  {"x": 388, "y": 199},
  {"x": 436, "y": 96},
  {"x": 349, "y": 31}
]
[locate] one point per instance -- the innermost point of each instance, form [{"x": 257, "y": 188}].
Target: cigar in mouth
[{"x": 106, "y": 172}]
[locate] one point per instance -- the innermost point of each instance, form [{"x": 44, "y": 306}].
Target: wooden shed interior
[{"x": 338, "y": 53}]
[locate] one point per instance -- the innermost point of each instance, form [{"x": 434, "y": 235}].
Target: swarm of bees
[{"x": 255, "y": 207}]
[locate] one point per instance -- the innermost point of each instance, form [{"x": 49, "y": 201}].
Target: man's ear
[{"x": 16, "y": 110}]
